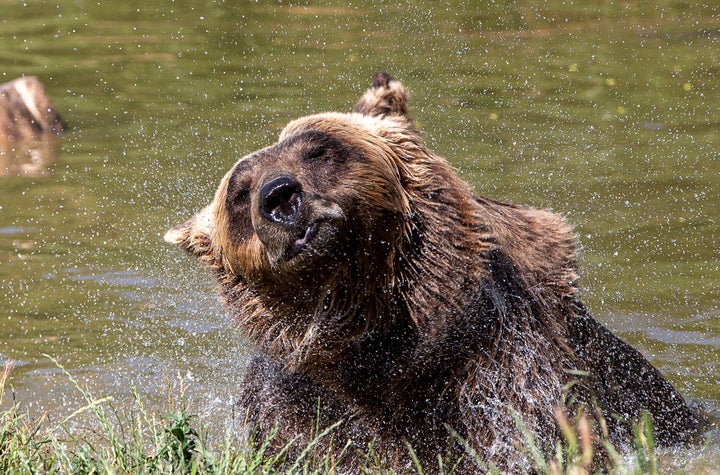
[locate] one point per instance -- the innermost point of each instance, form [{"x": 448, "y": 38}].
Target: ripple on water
[{"x": 10, "y": 230}]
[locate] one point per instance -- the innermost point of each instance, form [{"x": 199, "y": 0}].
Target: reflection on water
[
  {"x": 29, "y": 158},
  {"x": 605, "y": 113}
]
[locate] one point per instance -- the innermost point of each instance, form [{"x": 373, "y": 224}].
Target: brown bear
[
  {"x": 26, "y": 111},
  {"x": 385, "y": 296}
]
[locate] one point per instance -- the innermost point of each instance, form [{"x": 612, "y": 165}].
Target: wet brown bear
[{"x": 380, "y": 289}]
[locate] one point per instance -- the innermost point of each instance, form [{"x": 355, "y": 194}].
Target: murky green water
[{"x": 608, "y": 114}]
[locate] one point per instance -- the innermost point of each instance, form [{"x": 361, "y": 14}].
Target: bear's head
[
  {"x": 330, "y": 192},
  {"x": 317, "y": 236}
]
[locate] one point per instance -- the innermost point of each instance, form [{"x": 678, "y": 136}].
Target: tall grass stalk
[{"x": 140, "y": 441}]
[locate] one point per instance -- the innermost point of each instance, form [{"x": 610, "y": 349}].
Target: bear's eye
[
  {"x": 239, "y": 192},
  {"x": 315, "y": 152},
  {"x": 242, "y": 194},
  {"x": 238, "y": 188}
]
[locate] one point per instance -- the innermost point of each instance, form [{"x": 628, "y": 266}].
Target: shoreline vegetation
[{"x": 142, "y": 442}]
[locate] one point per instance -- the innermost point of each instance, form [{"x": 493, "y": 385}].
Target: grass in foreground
[{"x": 145, "y": 443}]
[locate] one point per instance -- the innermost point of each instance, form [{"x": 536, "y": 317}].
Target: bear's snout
[{"x": 280, "y": 200}]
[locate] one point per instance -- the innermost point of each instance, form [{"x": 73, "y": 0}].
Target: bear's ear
[
  {"x": 385, "y": 97},
  {"x": 194, "y": 234}
]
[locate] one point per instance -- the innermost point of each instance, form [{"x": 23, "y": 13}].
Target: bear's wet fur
[{"x": 381, "y": 292}]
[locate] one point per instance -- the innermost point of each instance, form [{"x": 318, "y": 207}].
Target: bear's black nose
[{"x": 280, "y": 200}]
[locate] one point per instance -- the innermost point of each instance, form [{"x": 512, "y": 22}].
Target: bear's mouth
[
  {"x": 311, "y": 233},
  {"x": 301, "y": 244}
]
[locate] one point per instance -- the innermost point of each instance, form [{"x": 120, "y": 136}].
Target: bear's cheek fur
[{"x": 378, "y": 208}]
